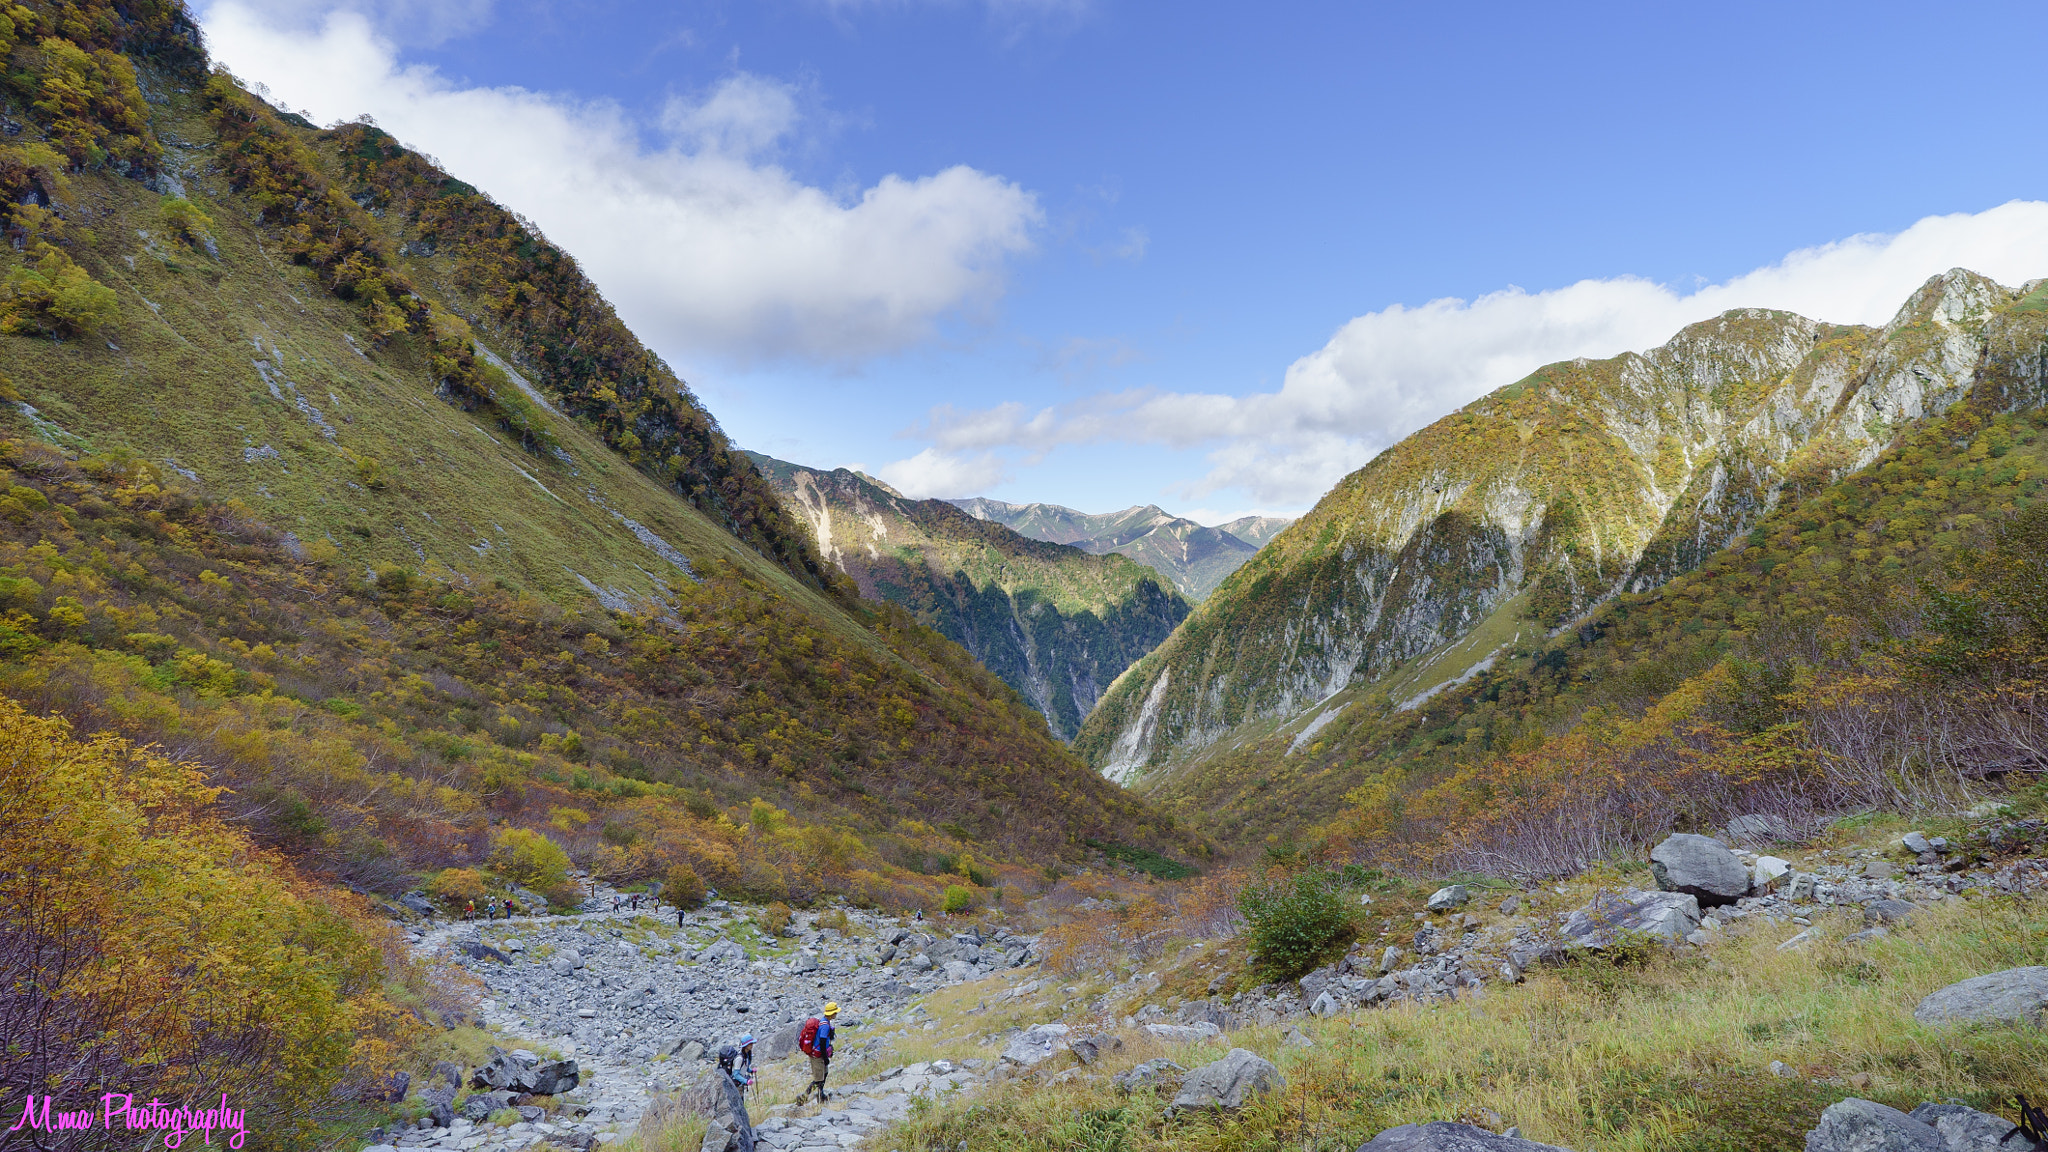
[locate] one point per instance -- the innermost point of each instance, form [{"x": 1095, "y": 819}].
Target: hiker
[
  {"x": 469, "y": 913},
  {"x": 615, "y": 903},
  {"x": 815, "y": 1041},
  {"x": 679, "y": 915},
  {"x": 920, "y": 915},
  {"x": 636, "y": 901},
  {"x": 743, "y": 1071}
]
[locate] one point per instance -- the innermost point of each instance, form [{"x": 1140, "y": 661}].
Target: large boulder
[
  {"x": 480, "y": 1105},
  {"x": 779, "y": 1043},
  {"x": 1610, "y": 915},
  {"x": 2014, "y": 996},
  {"x": 716, "y": 1098},
  {"x": 1227, "y": 1084},
  {"x": 723, "y": 952},
  {"x": 1968, "y": 1130},
  {"x": 1035, "y": 1044},
  {"x": 1854, "y": 1125},
  {"x": 1183, "y": 1033},
  {"x": 1444, "y": 1136},
  {"x": 1701, "y": 867}
]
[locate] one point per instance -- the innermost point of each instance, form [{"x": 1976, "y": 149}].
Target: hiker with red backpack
[{"x": 815, "y": 1041}]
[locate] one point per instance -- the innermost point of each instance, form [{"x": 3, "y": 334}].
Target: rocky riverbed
[{"x": 640, "y": 1003}]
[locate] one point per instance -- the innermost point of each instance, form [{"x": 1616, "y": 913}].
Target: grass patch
[
  {"x": 1657, "y": 1056},
  {"x": 1143, "y": 859}
]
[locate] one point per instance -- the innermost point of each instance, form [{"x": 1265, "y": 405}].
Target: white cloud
[
  {"x": 704, "y": 247},
  {"x": 944, "y": 474},
  {"x": 1387, "y": 373}
]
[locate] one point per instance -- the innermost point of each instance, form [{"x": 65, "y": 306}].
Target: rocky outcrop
[
  {"x": 1866, "y": 1126},
  {"x": 1614, "y": 916}
]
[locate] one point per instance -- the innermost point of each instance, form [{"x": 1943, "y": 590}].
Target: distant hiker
[
  {"x": 679, "y": 915},
  {"x": 920, "y": 915},
  {"x": 615, "y": 902},
  {"x": 469, "y": 913},
  {"x": 636, "y": 901},
  {"x": 815, "y": 1041}
]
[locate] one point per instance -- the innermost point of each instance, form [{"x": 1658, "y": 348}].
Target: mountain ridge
[
  {"x": 1195, "y": 557},
  {"x": 1055, "y": 622},
  {"x": 1525, "y": 508}
]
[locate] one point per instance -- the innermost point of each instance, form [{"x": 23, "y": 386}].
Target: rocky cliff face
[
  {"x": 1053, "y": 621},
  {"x": 1196, "y": 558},
  {"x": 1545, "y": 497}
]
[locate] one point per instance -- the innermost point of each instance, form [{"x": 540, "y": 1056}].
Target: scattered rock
[
  {"x": 1294, "y": 1039},
  {"x": 1445, "y": 899},
  {"x": 1184, "y": 1033},
  {"x": 1089, "y": 1049},
  {"x": 1888, "y": 912},
  {"x": 1916, "y": 843},
  {"x": 1701, "y": 867},
  {"x": 1856, "y": 1125},
  {"x": 2014, "y": 996},
  {"x": 1227, "y": 1084},
  {"x": 1879, "y": 870},
  {"x": 1445, "y": 1136},
  {"x": 1876, "y": 932}
]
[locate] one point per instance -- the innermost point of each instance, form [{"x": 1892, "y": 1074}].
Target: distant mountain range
[
  {"x": 1055, "y": 622},
  {"x": 1194, "y": 557}
]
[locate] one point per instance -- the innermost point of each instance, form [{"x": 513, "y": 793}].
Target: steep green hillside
[
  {"x": 1470, "y": 540},
  {"x": 316, "y": 441},
  {"x": 1194, "y": 557},
  {"x": 1056, "y": 623}
]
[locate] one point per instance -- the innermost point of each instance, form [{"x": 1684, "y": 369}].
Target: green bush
[
  {"x": 1294, "y": 921},
  {"x": 529, "y": 858},
  {"x": 682, "y": 887},
  {"x": 959, "y": 898}
]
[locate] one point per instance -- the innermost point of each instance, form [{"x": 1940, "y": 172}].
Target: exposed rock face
[
  {"x": 1583, "y": 480},
  {"x": 2014, "y": 996},
  {"x": 1227, "y": 1084},
  {"x": 1150, "y": 1074},
  {"x": 1699, "y": 866},
  {"x": 1445, "y": 1136},
  {"x": 1194, "y": 557}
]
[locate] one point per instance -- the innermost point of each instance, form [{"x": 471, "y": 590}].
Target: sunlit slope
[{"x": 1542, "y": 499}]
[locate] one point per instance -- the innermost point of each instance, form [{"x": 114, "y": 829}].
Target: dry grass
[{"x": 1673, "y": 1054}]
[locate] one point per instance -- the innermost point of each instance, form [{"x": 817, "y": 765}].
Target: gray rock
[
  {"x": 1445, "y": 899},
  {"x": 1326, "y": 1006},
  {"x": 958, "y": 970},
  {"x": 1671, "y": 915},
  {"x": 1855, "y": 1125},
  {"x": 779, "y": 1043},
  {"x": 2014, "y": 996},
  {"x": 1916, "y": 843},
  {"x": 1184, "y": 1033},
  {"x": 1150, "y": 1074},
  {"x": 1089, "y": 1049},
  {"x": 1875, "y": 932},
  {"x": 1445, "y": 1136},
  {"x": 414, "y": 902},
  {"x": 1035, "y": 1044},
  {"x": 1227, "y": 1084},
  {"x": 1390, "y": 958},
  {"x": 921, "y": 963},
  {"x": 1758, "y": 830},
  {"x": 481, "y": 1104},
  {"x": 1701, "y": 867},
  {"x": 1888, "y": 912},
  {"x": 1968, "y": 1130}
]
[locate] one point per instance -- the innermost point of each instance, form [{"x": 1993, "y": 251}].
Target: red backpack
[{"x": 807, "y": 1040}]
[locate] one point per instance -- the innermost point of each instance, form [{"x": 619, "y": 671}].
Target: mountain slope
[
  {"x": 365, "y": 451},
  {"x": 1473, "y": 537},
  {"x": 1256, "y": 530},
  {"x": 1054, "y": 622},
  {"x": 1194, "y": 557}
]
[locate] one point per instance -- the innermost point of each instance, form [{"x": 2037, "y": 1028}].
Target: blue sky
[{"x": 1211, "y": 257}]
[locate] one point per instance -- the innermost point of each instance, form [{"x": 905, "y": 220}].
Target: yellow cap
[{"x": 832, "y": 1009}]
